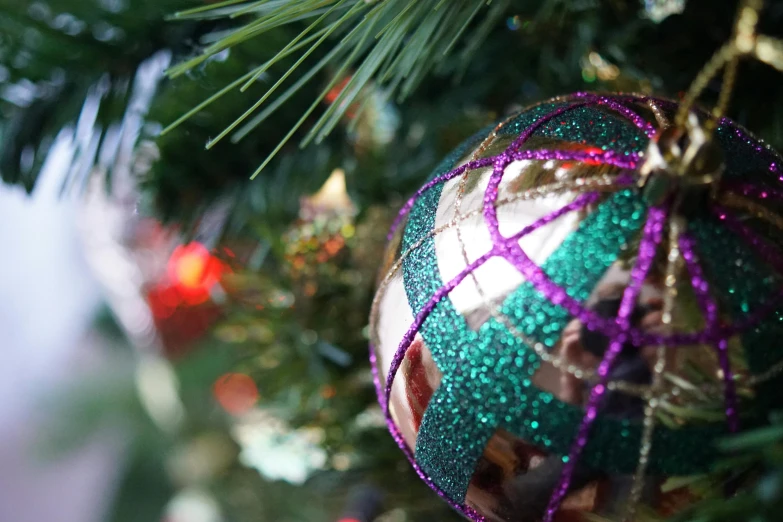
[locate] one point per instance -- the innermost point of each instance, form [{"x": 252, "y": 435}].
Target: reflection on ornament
[
  {"x": 552, "y": 339},
  {"x": 279, "y": 453},
  {"x": 235, "y": 392}
]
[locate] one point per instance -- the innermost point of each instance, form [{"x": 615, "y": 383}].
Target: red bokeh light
[
  {"x": 194, "y": 271},
  {"x": 180, "y": 300}
]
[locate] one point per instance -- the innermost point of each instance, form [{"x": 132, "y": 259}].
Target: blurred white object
[
  {"x": 276, "y": 451},
  {"x": 659, "y": 10},
  {"x": 47, "y": 303},
  {"x": 193, "y": 505}
]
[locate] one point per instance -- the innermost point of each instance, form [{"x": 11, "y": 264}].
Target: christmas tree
[{"x": 239, "y": 164}]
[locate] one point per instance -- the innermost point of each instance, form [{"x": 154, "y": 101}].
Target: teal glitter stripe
[
  {"x": 593, "y": 125},
  {"x": 577, "y": 265},
  {"x": 598, "y": 127},
  {"x": 487, "y": 382},
  {"x": 614, "y": 444},
  {"x": 741, "y": 287},
  {"x": 523, "y": 120}
]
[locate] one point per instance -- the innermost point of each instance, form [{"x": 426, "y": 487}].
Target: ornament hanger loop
[{"x": 681, "y": 162}]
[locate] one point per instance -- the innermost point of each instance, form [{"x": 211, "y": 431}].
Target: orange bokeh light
[
  {"x": 236, "y": 393},
  {"x": 335, "y": 91}
]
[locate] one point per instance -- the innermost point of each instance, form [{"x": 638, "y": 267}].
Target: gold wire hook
[{"x": 745, "y": 42}]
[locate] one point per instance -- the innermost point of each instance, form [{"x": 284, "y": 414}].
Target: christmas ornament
[
  {"x": 577, "y": 304},
  {"x": 317, "y": 240}
]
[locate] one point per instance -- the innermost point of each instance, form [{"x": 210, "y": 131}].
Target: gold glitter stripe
[{"x": 660, "y": 117}]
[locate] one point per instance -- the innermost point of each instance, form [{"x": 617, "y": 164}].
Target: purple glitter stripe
[
  {"x": 768, "y": 252},
  {"x": 425, "y": 311},
  {"x": 739, "y": 131},
  {"x": 651, "y": 237},
  {"x": 608, "y": 327},
  {"x": 578, "y": 203},
  {"x": 491, "y": 197},
  {"x": 602, "y": 157},
  {"x": 557, "y": 295},
  {"x": 699, "y": 283},
  {"x": 595, "y": 323},
  {"x": 398, "y": 438},
  {"x": 616, "y": 106},
  {"x": 710, "y": 310}
]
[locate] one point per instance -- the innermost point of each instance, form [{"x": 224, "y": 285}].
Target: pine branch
[
  {"x": 748, "y": 479},
  {"x": 392, "y": 45},
  {"x": 61, "y": 59}
]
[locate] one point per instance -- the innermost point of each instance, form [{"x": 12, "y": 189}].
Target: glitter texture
[
  {"x": 488, "y": 370},
  {"x": 653, "y": 231}
]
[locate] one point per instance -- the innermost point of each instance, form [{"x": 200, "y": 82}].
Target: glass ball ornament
[{"x": 562, "y": 328}]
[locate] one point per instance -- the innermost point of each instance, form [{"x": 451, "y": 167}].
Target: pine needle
[
  {"x": 462, "y": 28},
  {"x": 411, "y": 39},
  {"x": 312, "y": 107},
  {"x": 201, "y": 106},
  {"x": 299, "y": 37},
  {"x": 188, "y": 13},
  {"x": 277, "y": 84},
  {"x": 272, "y": 107}
]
